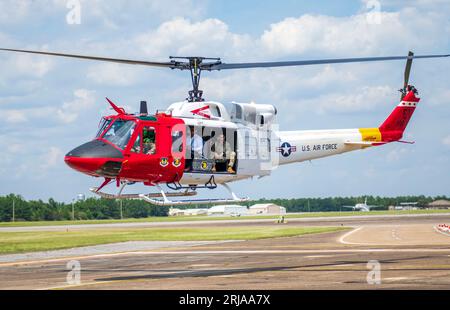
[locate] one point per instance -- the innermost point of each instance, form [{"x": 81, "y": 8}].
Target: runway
[
  {"x": 305, "y": 221},
  {"x": 410, "y": 252}
]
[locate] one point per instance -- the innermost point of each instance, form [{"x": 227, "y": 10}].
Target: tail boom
[{"x": 298, "y": 146}]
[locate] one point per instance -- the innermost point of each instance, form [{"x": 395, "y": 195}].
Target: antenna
[{"x": 143, "y": 109}]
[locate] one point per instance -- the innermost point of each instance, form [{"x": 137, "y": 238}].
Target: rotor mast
[{"x": 195, "y": 66}]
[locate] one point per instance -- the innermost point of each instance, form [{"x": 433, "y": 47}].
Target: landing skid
[
  {"x": 137, "y": 196},
  {"x": 166, "y": 202},
  {"x": 161, "y": 198}
]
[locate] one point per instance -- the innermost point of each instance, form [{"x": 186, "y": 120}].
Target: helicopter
[{"x": 200, "y": 144}]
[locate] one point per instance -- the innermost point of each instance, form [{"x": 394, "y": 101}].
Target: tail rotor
[{"x": 406, "y": 86}]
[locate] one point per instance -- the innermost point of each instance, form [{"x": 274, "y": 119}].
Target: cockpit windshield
[
  {"x": 104, "y": 123},
  {"x": 120, "y": 133}
]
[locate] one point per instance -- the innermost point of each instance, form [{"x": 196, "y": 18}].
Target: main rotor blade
[
  {"x": 171, "y": 65},
  {"x": 224, "y": 66}
]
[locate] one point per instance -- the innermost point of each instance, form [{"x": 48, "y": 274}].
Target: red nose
[
  {"x": 95, "y": 158},
  {"x": 85, "y": 165}
]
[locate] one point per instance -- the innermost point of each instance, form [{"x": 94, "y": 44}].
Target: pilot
[
  {"x": 136, "y": 148},
  {"x": 148, "y": 142},
  {"x": 222, "y": 151}
]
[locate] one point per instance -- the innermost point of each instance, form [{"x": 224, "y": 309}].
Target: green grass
[
  {"x": 17, "y": 242},
  {"x": 218, "y": 218}
]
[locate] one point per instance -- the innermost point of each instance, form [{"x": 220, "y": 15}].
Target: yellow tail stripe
[{"x": 370, "y": 134}]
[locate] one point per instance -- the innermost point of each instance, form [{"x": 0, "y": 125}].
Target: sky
[{"x": 51, "y": 105}]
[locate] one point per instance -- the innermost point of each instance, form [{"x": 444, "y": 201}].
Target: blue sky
[{"x": 51, "y": 105}]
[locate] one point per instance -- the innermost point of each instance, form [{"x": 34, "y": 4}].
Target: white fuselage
[{"x": 259, "y": 147}]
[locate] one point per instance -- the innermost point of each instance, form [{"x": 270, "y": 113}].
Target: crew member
[
  {"x": 222, "y": 151},
  {"x": 148, "y": 141},
  {"x": 194, "y": 143}
]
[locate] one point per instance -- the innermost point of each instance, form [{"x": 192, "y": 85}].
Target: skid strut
[
  {"x": 166, "y": 202},
  {"x": 162, "y": 198}
]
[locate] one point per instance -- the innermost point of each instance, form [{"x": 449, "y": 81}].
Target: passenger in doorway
[
  {"x": 194, "y": 143},
  {"x": 222, "y": 151}
]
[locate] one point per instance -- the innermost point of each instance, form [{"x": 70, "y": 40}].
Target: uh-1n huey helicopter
[{"x": 198, "y": 144}]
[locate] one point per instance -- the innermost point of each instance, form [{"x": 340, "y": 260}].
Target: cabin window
[
  {"x": 177, "y": 141},
  {"x": 148, "y": 140},
  {"x": 120, "y": 133},
  {"x": 264, "y": 148},
  {"x": 215, "y": 111},
  {"x": 250, "y": 114},
  {"x": 238, "y": 111},
  {"x": 250, "y": 146}
]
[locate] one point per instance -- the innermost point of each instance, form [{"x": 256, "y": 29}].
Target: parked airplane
[{"x": 362, "y": 206}]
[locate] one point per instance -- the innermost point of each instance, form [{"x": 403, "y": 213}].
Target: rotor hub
[{"x": 195, "y": 66}]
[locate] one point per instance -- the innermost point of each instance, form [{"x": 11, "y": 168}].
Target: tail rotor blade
[{"x": 408, "y": 69}]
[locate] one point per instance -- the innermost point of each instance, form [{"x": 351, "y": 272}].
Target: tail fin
[{"x": 393, "y": 127}]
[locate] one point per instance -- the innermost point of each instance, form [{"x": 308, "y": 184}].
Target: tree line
[
  {"x": 99, "y": 208},
  {"x": 337, "y": 203},
  {"x": 88, "y": 209}
]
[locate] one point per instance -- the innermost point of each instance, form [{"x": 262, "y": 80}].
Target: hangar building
[{"x": 267, "y": 208}]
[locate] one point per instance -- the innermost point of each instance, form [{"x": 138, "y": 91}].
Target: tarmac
[{"x": 376, "y": 252}]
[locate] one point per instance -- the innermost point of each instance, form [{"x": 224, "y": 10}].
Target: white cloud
[
  {"x": 15, "y": 148},
  {"x": 15, "y": 116},
  {"x": 396, "y": 154},
  {"x": 356, "y": 99},
  {"x": 446, "y": 141},
  {"x": 12, "y": 11},
  {"x": 51, "y": 158},
  {"x": 180, "y": 37},
  {"x": 15, "y": 12},
  {"x": 35, "y": 66},
  {"x": 354, "y": 35},
  {"x": 113, "y": 14},
  {"x": 113, "y": 74},
  {"x": 439, "y": 96},
  {"x": 26, "y": 71},
  {"x": 35, "y": 156},
  {"x": 84, "y": 99}
]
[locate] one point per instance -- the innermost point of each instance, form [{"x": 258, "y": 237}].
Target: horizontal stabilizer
[{"x": 365, "y": 143}]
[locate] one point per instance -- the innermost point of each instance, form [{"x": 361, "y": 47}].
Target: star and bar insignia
[{"x": 286, "y": 149}]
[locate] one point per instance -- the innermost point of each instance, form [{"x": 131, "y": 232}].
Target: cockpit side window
[
  {"x": 104, "y": 123},
  {"x": 148, "y": 140},
  {"x": 136, "y": 148},
  {"x": 120, "y": 133}
]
